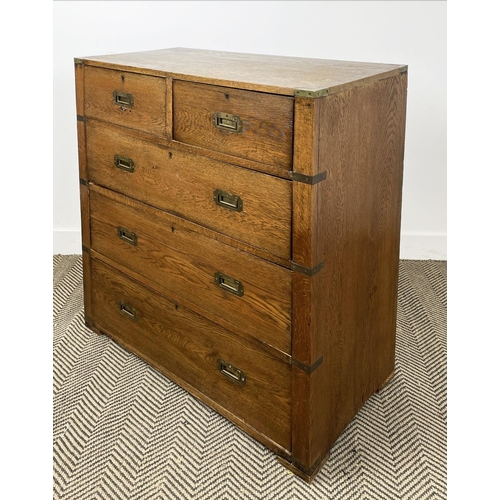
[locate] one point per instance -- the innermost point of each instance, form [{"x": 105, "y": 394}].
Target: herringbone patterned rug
[{"x": 123, "y": 431}]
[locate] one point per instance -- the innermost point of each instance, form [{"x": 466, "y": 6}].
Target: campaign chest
[{"x": 241, "y": 227}]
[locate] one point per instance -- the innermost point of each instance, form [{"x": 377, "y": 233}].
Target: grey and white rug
[{"x": 123, "y": 431}]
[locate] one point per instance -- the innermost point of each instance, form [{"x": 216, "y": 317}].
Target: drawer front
[
  {"x": 247, "y": 124},
  {"x": 258, "y": 210},
  {"x": 251, "y": 294},
  {"x": 190, "y": 347},
  {"x": 127, "y": 99}
]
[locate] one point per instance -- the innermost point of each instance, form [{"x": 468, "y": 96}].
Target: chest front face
[{"x": 236, "y": 220}]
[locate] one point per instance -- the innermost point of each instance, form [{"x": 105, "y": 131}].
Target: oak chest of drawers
[{"x": 240, "y": 230}]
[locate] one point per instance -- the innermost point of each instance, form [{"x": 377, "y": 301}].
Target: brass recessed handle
[
  {"x": 228, "y": 200},
  {"x": 124, "y": 163},
  {"x": 127, "y": 310},
  {"x": 229, "y": 284},
  {"x": 128, "y": 236},
  {"x": 231, "y": 372},
  {"x": 123, "y": 99},
  {"x": 226, "y": 121}
]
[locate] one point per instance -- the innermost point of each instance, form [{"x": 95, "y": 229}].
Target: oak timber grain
[
  {"x": 183, "y": 263},
  {"x": 86, "y": 242},
  {"x": 237, "y": 420},
  {"x": 267, "y": 122},
  {"x": 84, "y": 192},
  {"x": 183, "y": 183},
  {"x": 188, "y": 345},
  {"x": 353, "y": 298},
  {"x": 265, "y": 73},
  {"x": 199, "y": 151},
  {"x": 215, "y": 318},
  {"x": 192, "y": 226},
  {"x": 85, "y": 215},
  {"x": 168, "y": 107},
  {"x": 80, "y": 126},
  {"x": 79, "y": 89},
  {"x": 87, "y": 288},
  {"x": 149, "y": 111}
]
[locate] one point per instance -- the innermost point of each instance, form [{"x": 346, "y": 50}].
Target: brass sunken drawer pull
[
  {"x": 124, "y": 163},
  {"x": 123, "y": 99},
  {"x": 231, "y": 372},
  {"x": 127, "y": 236},
  {"x": 127, "y": 310},
  {"x": 226, "y": 121},
  {"x": 229, "y": 284},
  {"x": 228, "y": 200}
]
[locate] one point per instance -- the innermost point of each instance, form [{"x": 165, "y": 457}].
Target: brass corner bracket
[{"x": 312, "y": 94}]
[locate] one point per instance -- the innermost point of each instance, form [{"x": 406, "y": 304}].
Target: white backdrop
[{"x": 412, "y": 33}]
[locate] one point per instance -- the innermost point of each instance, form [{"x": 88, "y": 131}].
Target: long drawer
[
  {"x": 249, "y": 206},
  {"x": 244, "y": 380},
  {"x": 249, "y": 293}
]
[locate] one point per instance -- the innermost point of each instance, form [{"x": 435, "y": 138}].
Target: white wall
[{"x": 412, "y": 33}]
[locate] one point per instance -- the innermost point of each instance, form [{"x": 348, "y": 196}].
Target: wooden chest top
[{"x": 274, "y": 74}]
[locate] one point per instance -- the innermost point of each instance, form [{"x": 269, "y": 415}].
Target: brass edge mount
[
  {"x": 78, "y": 60},
  {"x": 81, "y": 118},
  {"x": 306, "y": 270},
  {"x": 85, "y": 249},
  {"x": 308, "y": 179},
  {"x": 84, "y": 182},
  {"x": 307, "y": 368},
  {"x": 312, "y": 94}
]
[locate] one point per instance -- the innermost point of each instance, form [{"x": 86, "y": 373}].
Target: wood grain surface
[
  {"x": 353, "y": 298},
  {"x": 267, "y": 122},
  {"x": 266, "y": 73},
  {"x": 189, "y": 346},
  {"x": 184, "y": 184},
  {"x": 84, "y": 192},
  {"x": 148, "y": 112},
  {"x": 184, "y": 263}
]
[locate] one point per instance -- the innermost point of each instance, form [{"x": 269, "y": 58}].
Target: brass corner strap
[
  {"x": 312, "y": 94},
  {"x": 78, "y": 60},
  {"x": 81, "y": 118},
  {"x": 84, "y": 182},
  {"x": 308, "y": 179},
  {"x": 307, "y": 368},
  {"x": 306, "y": 270}
]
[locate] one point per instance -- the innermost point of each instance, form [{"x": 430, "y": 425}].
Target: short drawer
[
  {"x": 243, "y": 123},
  {"x": 127, "y": 99},
  {"x": 250, "y": 294},
  {"x": 244, "y": 380},
  {"x": 249, "y": 206}
]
